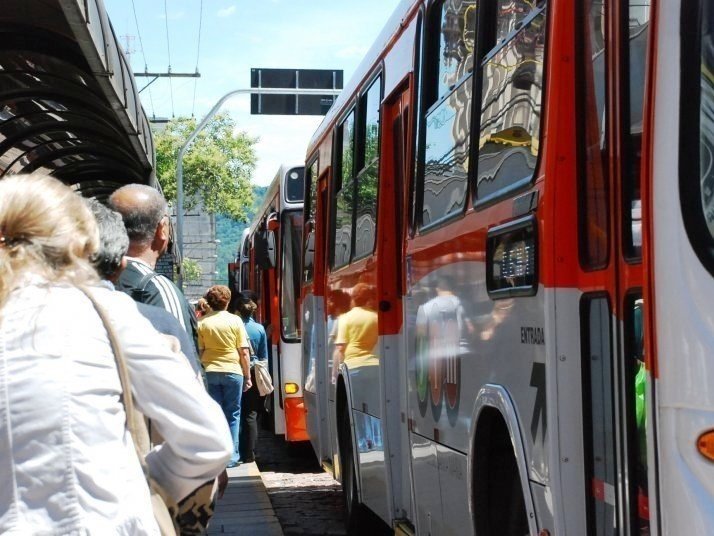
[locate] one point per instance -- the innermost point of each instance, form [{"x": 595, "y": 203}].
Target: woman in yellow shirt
[{"x": 225, "y": 356}]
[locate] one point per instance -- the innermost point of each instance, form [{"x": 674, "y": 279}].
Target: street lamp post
[{"x": 201, "y": 126}]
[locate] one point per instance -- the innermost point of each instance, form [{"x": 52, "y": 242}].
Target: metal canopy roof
[{"x": 69, "y": 105}]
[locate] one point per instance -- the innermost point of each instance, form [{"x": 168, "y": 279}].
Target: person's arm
[
  {"x": 244, "y": 355},
  {"x": 201, "y": 346},
  {"x": 197, "y": 440},
  {"x": 339, "y": 354},
  {"x": 245, "y": 366},
  {"x": 263, "y": 347}
]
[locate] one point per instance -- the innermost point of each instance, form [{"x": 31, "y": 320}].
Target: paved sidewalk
[{"x": 245, "y": 507}]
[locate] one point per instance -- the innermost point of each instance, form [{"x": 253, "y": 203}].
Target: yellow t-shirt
[
  {"x": 357, "y": 330},
  {"x": 220, "y": 334}
]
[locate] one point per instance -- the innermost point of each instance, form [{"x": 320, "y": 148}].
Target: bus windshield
[{"x": 290, "y": 291}]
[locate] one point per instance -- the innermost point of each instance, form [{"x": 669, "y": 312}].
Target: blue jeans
[{"x": 227, "y": 390}]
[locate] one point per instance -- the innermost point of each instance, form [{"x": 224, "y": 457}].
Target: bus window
[
  {"x": 245, "y": 275},
  {"x": 511, "y": 106},
  {"x": 706, "y": 119},
  {"x": 457, "y": 31},
  {"x": 290, "y": 274},
  {"x": 636, "y": 412},
  {"x": 638, "y": 26},
  {"x": 344, "y": 214},
  {"x": 367, "y": 178},
  {"x": 599, "y": 416},
  {"x": 448, "y": 119},
  {"x": 310, "y": 208},
  {"x": 511, "y": 13},
  {"x": 697, "y": 129},
  {"x": 593, "y": 214}
]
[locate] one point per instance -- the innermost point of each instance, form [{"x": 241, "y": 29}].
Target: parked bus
[
  {"x": 507, "y": 291},
  {"x": 269, "y": 264}
]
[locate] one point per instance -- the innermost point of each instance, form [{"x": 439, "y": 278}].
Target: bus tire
[
  {"x": 498, "y": 503},
  {"x": 354, "y": 510}
]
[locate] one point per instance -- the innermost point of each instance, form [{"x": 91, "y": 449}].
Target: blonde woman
[{"x": 67, "y": 462}]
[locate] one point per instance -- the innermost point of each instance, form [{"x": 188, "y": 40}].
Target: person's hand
[
  {"x": 247, "y": 385},
  {"x": 222, "y": 483}
]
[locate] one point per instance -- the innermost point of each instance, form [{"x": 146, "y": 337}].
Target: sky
[{"x": 235, "y": 36}]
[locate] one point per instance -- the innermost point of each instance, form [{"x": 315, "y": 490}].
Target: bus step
[
  {"x": 403, "y": 528},
  {"x": 328, "y": 467}
]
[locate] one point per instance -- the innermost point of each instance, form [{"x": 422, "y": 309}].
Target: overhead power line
[
  {"x": 143, "y": 55},
  {"x": 198, "y": 52},
  {"x": 168, "y": 49}
]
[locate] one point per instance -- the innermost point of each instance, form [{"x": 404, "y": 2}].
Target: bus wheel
[
  {"x": 354, "y": 511},
  {"x": 499, "y": 505}
]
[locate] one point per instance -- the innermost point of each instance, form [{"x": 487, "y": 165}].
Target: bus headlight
[{"x": 291, "y": 388}]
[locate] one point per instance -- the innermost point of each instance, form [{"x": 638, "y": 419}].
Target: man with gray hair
[
  {"x": 110, "y": 261},
  {"x": 147, "y": 221},
  {"x": 193, "y": 512}
]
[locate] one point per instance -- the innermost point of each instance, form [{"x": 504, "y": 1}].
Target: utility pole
[
  {"x": 201, "y": 126},
  {"x": 167, "y": 74}
]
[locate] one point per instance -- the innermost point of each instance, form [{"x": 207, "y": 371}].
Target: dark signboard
[
  {"x": 290, "y": 104},
  {"x": 165, "y": 266}
]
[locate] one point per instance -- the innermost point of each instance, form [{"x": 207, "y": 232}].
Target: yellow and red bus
[
  {"x": 269, "y": 265},
  {"x": 508, "y": 250}
]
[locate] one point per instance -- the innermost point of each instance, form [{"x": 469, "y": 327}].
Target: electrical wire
[
  {"x": 143, "y": 55},
  {"x": 168, "y": 50},
  {"x": 198, "y": 52}
]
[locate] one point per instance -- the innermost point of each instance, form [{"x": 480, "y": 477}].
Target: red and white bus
[
  {"x": 508, "y": 291},
  {"x": 269, "y": 264}
]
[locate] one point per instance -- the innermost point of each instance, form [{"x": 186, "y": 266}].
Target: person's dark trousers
[{"x": 252, "y": 405}]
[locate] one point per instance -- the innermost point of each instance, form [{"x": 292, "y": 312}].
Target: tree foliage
[
  {"x": 216, "y": 169},
  {"x": 192, "y": 271},
  {"x": 230, "y": 232}
]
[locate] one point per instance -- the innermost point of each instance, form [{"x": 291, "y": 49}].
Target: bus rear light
[
  {"x": 705, "y": 445},
  {"x": 291, "y": 388}
]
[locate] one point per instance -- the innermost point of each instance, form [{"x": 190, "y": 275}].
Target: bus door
[
  {"x": 390, "y": 243},
  {"x": 325, "y": 368},
  {"x": 616, "y": 386}
]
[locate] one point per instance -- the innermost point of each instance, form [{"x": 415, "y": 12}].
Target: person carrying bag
[
  {"x": 68, "y": 465},
  {"x": 165, "y": 509}
]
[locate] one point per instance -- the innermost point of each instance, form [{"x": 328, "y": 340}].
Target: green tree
[
  {"x": 230, "y": 232},
  {"x": 216, "y": 169},
  {"x": 192, "y": 271}
]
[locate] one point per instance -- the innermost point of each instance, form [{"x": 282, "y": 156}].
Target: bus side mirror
[
  {"x": 273, "y": 222},
  {"x": 272, "y": 250},
  {"x": 260, "y": 246}
]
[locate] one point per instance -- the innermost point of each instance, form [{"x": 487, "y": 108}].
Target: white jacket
[{"x": 67, "y": 464}]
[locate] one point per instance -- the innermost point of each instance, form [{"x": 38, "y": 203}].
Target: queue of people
[
  {"x": 88, "y": 330},
  {"x": 232, "y": 344}
]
